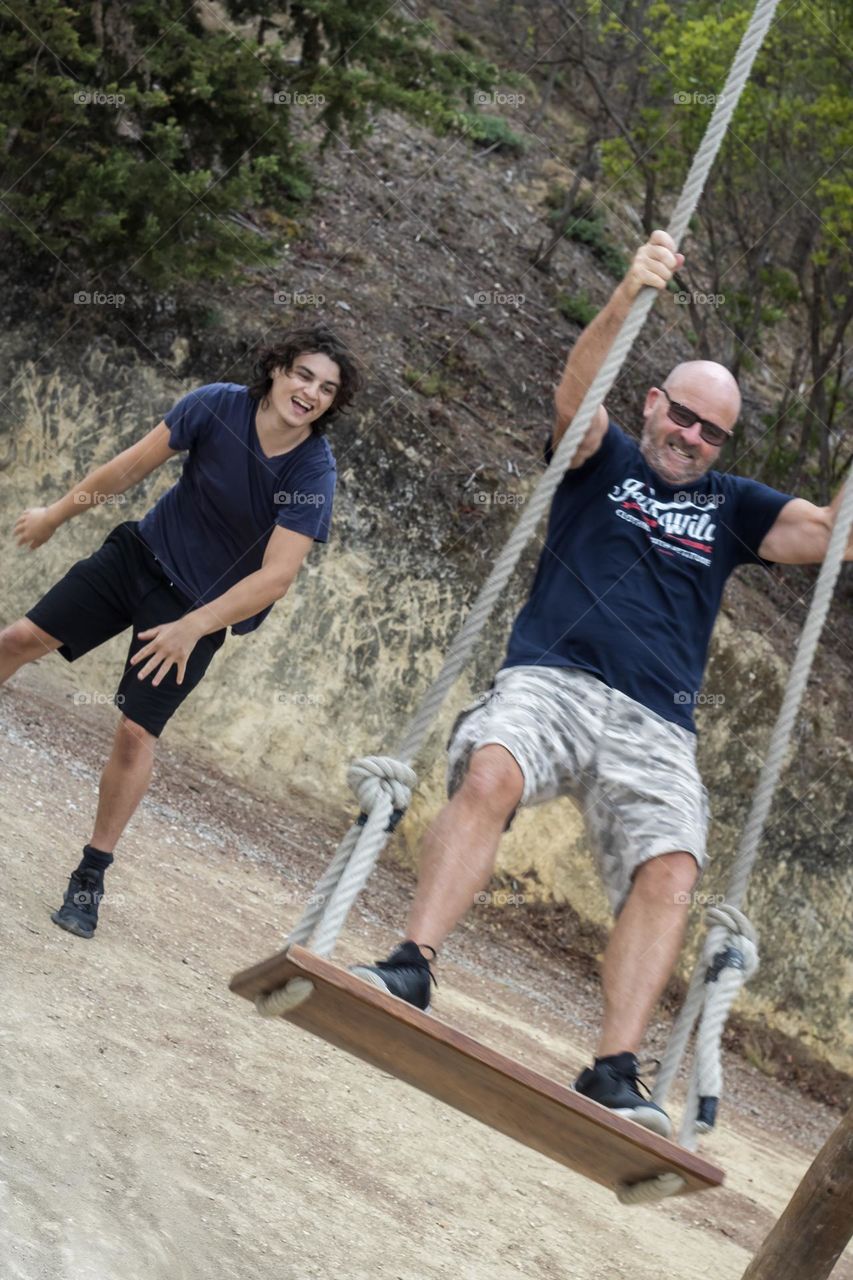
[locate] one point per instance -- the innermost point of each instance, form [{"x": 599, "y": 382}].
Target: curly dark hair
[{"x": 293, "y": 343}]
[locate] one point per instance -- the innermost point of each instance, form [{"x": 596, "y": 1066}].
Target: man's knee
[
  {"x": 24, "y": 641},
  {"x": 670, "y": 877},
  {"x": 494, "y": 780},
  {"x": 133, "y": 743}
]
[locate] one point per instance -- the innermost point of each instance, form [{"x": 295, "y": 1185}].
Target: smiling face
[
  {"x": 679, "y": 455},
  {"x": 302, "y": 394}
]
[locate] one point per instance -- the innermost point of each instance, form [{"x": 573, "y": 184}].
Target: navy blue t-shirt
[
  {"x": 630, "y": 581},
  {"x": 211, "y": 529}
]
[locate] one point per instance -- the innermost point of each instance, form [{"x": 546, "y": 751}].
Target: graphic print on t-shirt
[{"x": 683, "y": 526}]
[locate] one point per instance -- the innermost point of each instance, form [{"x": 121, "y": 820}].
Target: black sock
[
  {"x": 620, "y": 1059},
  {"x": 94, "y": 860}
]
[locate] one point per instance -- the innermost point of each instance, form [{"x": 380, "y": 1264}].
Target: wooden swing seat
[{"x": 451, "y": 1066}]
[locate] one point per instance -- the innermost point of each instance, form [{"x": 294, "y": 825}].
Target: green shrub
[
  {"x": 579, "y": 309},
  {"x": 426, "y": 384},
  {"x": 491, "y": 131},
  {"x": 593, "y": 233}
]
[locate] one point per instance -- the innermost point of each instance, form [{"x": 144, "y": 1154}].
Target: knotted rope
[{"x": 730, "y": 954}]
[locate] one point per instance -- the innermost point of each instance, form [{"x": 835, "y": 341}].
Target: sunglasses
[{"x": 684, "y": 417}]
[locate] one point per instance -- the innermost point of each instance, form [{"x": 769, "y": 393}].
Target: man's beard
[{"x": 669, "y": 466}]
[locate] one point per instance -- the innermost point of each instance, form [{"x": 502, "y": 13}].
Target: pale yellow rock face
[{"x": 338, "y": 667}]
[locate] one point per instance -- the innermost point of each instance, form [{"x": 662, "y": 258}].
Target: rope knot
[
  {"x": 373, "y": 776},
  {"x": 730, "y": 958},
  {"x": 732, "y": 942}
]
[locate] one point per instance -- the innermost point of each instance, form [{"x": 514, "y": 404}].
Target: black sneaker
[
  {"x": 614, "y": 1082},
  {"x": 79, "y": 911},
  {"x": 405, "y": 974}
]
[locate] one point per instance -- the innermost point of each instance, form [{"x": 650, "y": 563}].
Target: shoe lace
[
  {"x": 644, "y": 1066},
  {"x": 86, "y": 881}
]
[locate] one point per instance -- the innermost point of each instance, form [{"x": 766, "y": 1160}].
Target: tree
[
  {"x": 135, "y": 136},
  {"x": 776, "y": 218},
  {"x": 775, "y": 222}
]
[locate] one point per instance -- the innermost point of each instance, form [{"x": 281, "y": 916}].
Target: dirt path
[{"x": 153, "y": 1126}]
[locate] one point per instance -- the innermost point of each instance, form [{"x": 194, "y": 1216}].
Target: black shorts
[{"x": 124, "y": 585}]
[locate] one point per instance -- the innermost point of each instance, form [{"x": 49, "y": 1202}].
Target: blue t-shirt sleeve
[
  {"x": 305, "y": 506},
  {"x": 192, "y": 414},
  {"x": 611, "y": 441},
  {"x": 756, "y": 508}
]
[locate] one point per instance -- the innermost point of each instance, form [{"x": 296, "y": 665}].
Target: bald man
[{"x": 605, "y": 662}]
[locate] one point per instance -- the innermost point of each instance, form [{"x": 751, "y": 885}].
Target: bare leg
[
  {"x": 20, "y": 643},
  {"x": 643, "y": 949},
  {"x": 124, "y": 782},
  {"x": 126, "y": 774},
  {"x": 459, "y": 850}
]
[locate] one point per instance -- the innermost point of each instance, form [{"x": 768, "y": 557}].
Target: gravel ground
[{"x": 152, "y": 1126}]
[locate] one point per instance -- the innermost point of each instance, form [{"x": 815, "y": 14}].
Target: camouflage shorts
[{"x": 632, "y": 774}]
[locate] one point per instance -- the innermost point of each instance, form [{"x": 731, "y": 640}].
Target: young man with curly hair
[{"x": 217, "y": 550}]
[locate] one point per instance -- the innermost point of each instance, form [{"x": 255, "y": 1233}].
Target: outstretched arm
[
  {"x": 800, "y": 534},
  {"x": 654, "y": 264},
  {"x": 126, "y": 469}
]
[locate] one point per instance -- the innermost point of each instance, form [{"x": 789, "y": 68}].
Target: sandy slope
[{"x": 153, "y": 1126}]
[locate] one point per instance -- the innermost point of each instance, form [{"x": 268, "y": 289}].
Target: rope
[
  {"x": 650, "y": 1190},
  {"x": 384, "y": 787},
  {"x": 289, "y": 997},
  {"x": 730, "y": 954},
  {"x": 357, "y": 854},
  {"x": 731, "y": 959}
]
